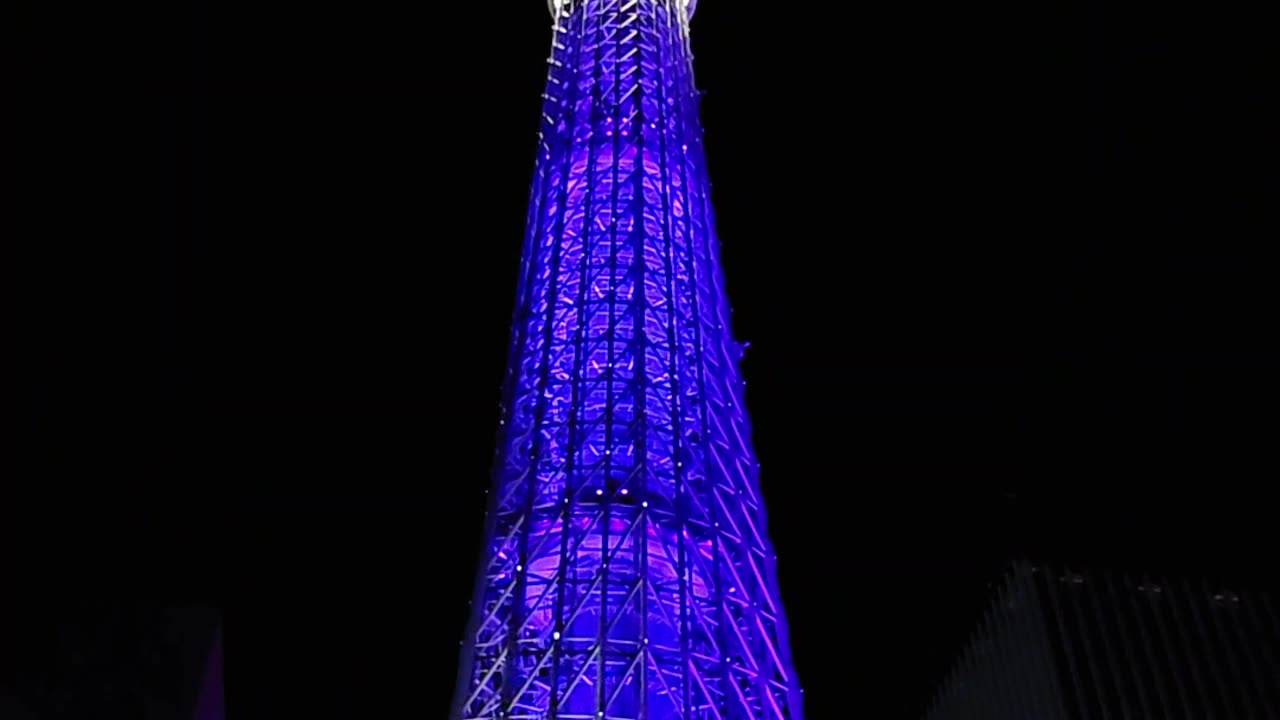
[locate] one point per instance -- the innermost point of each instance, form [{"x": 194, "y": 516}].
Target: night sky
[{"x": 1001, "y": 268}]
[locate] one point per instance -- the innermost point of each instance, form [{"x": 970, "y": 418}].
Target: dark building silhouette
[{"x": 1056, "y": 644}]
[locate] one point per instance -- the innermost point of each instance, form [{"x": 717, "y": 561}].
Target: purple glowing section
[{"x": 628, "y": 574}]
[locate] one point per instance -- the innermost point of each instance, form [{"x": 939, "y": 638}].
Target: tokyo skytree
[{"x": 627, "y": 572}]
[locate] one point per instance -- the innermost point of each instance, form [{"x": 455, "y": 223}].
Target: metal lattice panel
[{"x": 628, "y": 574}]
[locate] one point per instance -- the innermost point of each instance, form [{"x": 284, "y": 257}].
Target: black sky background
[{"x": 1002, "y": 269}]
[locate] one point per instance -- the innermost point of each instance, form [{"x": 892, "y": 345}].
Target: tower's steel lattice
[{"x": 627, "y": 573}]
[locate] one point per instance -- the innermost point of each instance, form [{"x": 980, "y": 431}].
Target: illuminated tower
[{"x": 627, "y": 573}]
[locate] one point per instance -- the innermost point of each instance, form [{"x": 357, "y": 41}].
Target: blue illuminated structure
[{"x": 627, "y": 573}]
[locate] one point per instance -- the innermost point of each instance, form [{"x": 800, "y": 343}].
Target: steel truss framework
[{"x": 627, "y": 574}]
